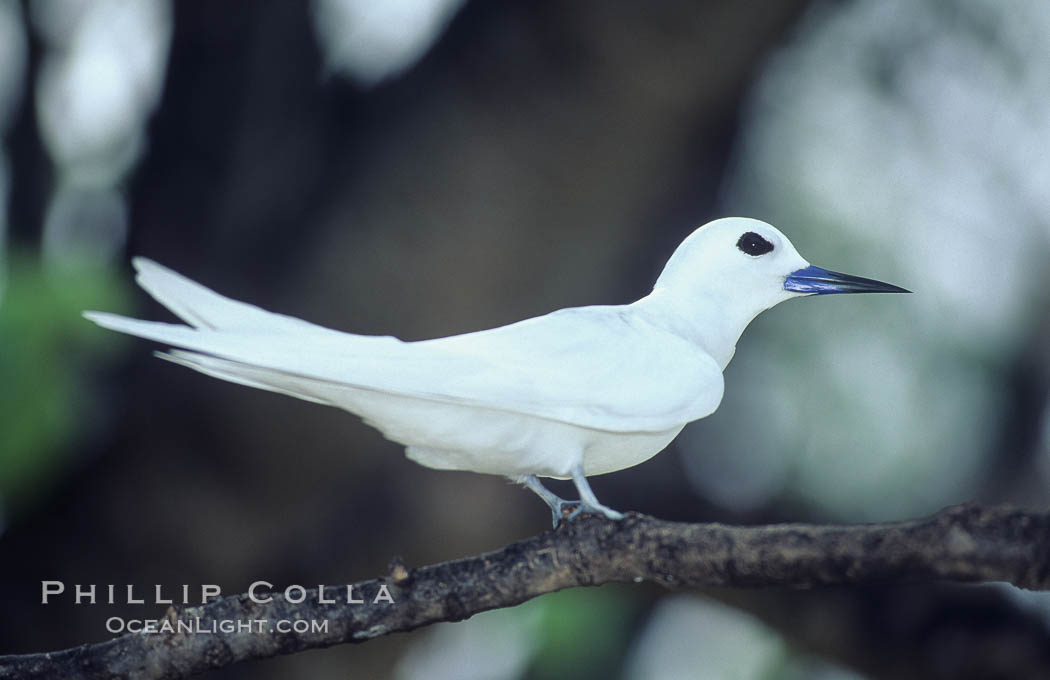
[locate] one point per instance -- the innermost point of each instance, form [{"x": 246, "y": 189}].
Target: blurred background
[{"x": 428, "y": 167}]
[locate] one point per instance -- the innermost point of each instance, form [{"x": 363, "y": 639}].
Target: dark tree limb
[{"x": 964, "y": 543}]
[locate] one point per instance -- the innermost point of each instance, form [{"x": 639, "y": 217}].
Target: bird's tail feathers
[
  {"x": 259, "y": 377},
  {"x": 203, "y": 308},
  {"x": 244, "y": 344}
]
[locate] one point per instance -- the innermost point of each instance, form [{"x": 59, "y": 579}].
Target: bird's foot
[
  {"x": 564, "y": 510},
  {"x": 587, "y": 504},
  {"x": 594, "y": 509},
  {"x": 556, "y": 503},
  {"x": 588, "y": 501}
]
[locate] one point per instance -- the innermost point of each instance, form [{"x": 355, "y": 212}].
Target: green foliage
[
  {"x": 44, "y": 346},
  {"x": 584, "y": 632}
]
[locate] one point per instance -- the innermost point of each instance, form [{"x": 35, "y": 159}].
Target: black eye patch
[{"x": 753, "y": 244}]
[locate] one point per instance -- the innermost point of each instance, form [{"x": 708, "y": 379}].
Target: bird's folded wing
[
  {"x": 597, "y": 367},
  {"x": 591, "y": 367}
]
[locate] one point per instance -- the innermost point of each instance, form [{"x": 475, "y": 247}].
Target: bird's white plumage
[
  {"x": 532, "y": 367},
  {"x": 578, "y": 391},
  {"x": 481, "y": 401}
]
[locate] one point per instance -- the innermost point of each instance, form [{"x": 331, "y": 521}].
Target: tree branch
[{"x": 964, "y": 543}]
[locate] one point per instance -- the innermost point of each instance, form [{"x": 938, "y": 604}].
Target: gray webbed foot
[
  {"x": 594, "y": 509},
  {"x": 588, "y": 503},
  {"x": 556, "y": 503}
]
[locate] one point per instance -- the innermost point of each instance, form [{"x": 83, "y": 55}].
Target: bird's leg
[
  {"x": 556, "y": 503},
  {"x": 588, "y": 501}
]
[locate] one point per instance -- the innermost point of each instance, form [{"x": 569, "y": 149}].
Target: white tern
[{"x": 577, "y": 392}]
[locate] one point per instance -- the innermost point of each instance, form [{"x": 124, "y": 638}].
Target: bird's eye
[{"x": 753, "y": 244}]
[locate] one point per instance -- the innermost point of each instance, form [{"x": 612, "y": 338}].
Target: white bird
[{"x": 577, "y": 392}]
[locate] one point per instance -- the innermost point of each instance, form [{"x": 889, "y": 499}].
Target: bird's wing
[{"x": 596, "y": 367}]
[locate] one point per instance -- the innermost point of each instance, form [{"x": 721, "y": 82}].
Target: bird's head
[{"x": 750, "y": 265}]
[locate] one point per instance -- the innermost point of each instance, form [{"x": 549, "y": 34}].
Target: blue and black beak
[{"x": 813, "y": 280}]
